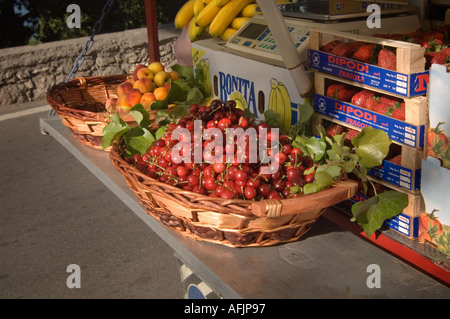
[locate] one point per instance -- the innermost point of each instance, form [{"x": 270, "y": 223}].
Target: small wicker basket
[
  {"x": 234, "y": 223},
  {"x": 80, "y": 103}
]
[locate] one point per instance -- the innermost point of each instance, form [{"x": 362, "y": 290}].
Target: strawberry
[
  {"x": 357, "y": 44},
  {"x": 434, "y": 58},
  {"x": 359, "y": 99},
  {"x": 382, "y": 108},
  {"x": 334, "y": 129},
  {"x": 434, "y": 36},
  {"x": 438, "y": 58},
  {"x": 351, "y": 133},
  {"x": 387, "y": 59},
  {"x": 399, "y": 113},
  {"x": 345, "y": 95},
  {"x": 364, "y": 53},
  {"x": 371, "y": 103},
  {"x": 389, "y": 100},
  {"x": 329, "y": 46},
  {"x": 343, "y": 49},
  {"x": 446, "y": 52},
  {"x": 396, "y": 159},
  {"x": 334, "y": 88}
]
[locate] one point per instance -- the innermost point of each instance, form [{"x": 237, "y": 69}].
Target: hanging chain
[{"x": 88, "y": 44}]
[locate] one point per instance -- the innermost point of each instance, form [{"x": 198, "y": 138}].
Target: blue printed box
[
  {"x": 398, "y": 131},
  {"x": 406, "y": 85},
  {"x": 398, "y": 175},
  {"x": 402, "y": 223}
]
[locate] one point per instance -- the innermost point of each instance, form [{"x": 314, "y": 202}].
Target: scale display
[{"x": 254, "y": 40}]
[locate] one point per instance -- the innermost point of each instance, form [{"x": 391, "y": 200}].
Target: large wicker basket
[
  {"x": 80, "y": 103},
  {"x": 235, "y": 223}
]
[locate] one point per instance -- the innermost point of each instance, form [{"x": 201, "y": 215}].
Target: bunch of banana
[
  {"x": 185, "y": 14},
  {"x": 220, "y": 18},
  {"x": 280, "y": 102}
]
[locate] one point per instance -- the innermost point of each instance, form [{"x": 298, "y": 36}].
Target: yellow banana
[
  {"x": 227, "y": 34},
  {"x": 238, "y": 22},
  {"x": 221, "y": 3},
  {"x": 280, "y": 106},
  {"x": 226, "y": 14},
  {"x": 273, "y": 95},
  {"x": 198, "y": 6},
  {"x": 287, "y": 114},
  {"x": 195, "y": 31},
  {"x": 249, "y": 11},
  {"x": 185, "y": 14},
  {"x": 208, "y": 13}
]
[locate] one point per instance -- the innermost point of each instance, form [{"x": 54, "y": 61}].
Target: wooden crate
[
  {"x": 409, "y": 132},
  {"x": 409, "y": 79}
]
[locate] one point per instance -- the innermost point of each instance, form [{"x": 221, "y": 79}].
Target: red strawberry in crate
[
  {"x": 329, "y": 46},
  {"x": 359, "y": 99},
  {"x": 387, "y": 59},
  {"x": 399, "y": 113},
  {"x": 434, "y": 58},
  {"x": 371, "y": 103},
  {"x": 345, "y": 95},
  {"x": 434, "y": 36},
  {"x": 357, "y": 44},
  {"x": 446, "y": 52},
  {"x": 343, "y": 49},
  {"x": 351, "y": 133},
  {"x": 396, "y": 159},
  {"x": 383, "y": 108},
  {"x": 334, "y": 129},
  {"x": 438, "y": 58},
  {"x": 364, "y": 53},
  {"x": 334, "y": 88},
  {"x": 389, "y": 100}
]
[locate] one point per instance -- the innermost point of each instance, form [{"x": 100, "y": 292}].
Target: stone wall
[{"x": 28, "y": 71}]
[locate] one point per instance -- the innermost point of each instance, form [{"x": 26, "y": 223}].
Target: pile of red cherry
[{"x": 234, "y": 179}]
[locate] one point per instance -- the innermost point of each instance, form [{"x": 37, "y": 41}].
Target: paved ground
[{"x": 54, "y": 212}]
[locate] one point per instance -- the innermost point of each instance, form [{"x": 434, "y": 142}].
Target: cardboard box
[
  {"x": 234, "y": 76},
  {"x": 435, "y": 183}
]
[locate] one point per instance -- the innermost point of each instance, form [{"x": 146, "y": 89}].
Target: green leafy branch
[
  {"x": 138, "y": 139},
  {"x": 334, "y": 160}
]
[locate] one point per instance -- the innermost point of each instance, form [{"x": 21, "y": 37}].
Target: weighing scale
[{"x": 254, "y": 40}]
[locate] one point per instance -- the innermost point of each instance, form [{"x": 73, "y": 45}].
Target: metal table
[{"x": 328, "y": 262}]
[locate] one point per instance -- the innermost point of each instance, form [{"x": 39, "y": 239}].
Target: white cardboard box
[
  {"x": 435, "y": 184},
  {"x": 229, "y": 73}
]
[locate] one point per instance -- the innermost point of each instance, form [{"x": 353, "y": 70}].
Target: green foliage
[
  {"x": 137, "y": 139},
  {"x": 333, "y": 159},
  {"x": 24, "y": 21}
]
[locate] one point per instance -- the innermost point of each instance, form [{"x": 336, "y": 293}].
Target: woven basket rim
[
  {"x": 114, "y": 155},
  {"x": 81, "y": 83}
]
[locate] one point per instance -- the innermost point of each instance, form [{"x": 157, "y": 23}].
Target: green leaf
[
  {"x": 333, "y": 170},
  {"x": 372, "y": 146},
  {"x": 141, "y": 116},
  {"x": 139, "y": 140},
  {"x": 316, "y": 148},
  {"x": 194, "y": 96},
  {"x": 305, "y": 110},
  {"x": 114, "y": 130},
  {"x": 185, "y": 72},
  {"x": 371, "y": 213},
  {"x": 311, "y": 188},
  {"x": 160, "y": 132},
  {"x": 323, "y": 179}
]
